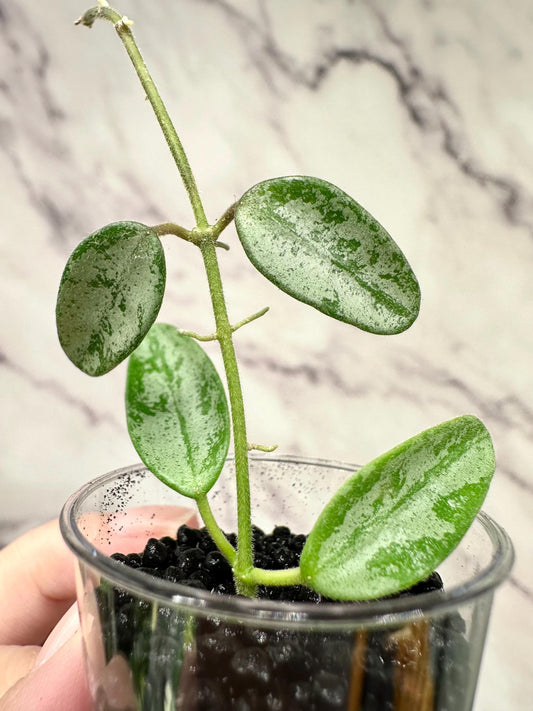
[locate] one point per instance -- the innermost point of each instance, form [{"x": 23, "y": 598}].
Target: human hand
[
  {"x": 41, "y": 665},
  {"x": 41, "y": 661}
]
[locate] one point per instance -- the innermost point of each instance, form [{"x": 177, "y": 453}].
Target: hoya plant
[{"x": 396, "y": 518}]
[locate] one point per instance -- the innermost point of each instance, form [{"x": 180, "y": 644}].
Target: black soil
[
  {"x": 232, "y": 667},
  {"x": 193, "y": 559}
]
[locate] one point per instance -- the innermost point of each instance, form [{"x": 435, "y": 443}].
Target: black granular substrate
[{"x": 221, "y": 666}]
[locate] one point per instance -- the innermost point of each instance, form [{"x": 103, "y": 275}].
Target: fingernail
[{"x": 67, "y": 626}]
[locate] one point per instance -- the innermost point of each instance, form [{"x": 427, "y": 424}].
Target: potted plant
[{"x": 325, "y": 600}]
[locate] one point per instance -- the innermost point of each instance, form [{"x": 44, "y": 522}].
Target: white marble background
[{"x": 422, "y": 110}]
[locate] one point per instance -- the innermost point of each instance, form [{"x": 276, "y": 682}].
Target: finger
[
  {"x": 128, "y": 531},
  {"x": 57, "y": 685},
  {"x": 58, "y": 681},
  {"x": 15, "y": 662},
  {"x": 36, "y": 585},
  {"x": 68, "y": 625},
  {"x": 37, "y": 582}
]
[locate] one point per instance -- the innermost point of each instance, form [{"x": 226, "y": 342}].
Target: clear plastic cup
[{"x": 153, "y": 645}]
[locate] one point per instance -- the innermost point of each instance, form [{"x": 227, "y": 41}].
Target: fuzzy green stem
[
  {"x": 198, "y": 336},
  {"x": 262, "y": 447},
  {"x": 288, "y": 576},
  {"x": 214, "y": 529},
  {"x": 235, "y": 327},
  {"x": 244, "y": 560},
  {"x": 205, "y": 236},
  {"x": 249, "y": 319},
  {"x": 225, "y": 220},
  {"x": 170, "y": 228},
  {"x": 122, "y": 26}
]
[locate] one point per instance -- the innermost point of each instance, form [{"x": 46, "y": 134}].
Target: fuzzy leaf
[
  {"x": 110, "y": 294},
  {"x": 177, "y": 411},
  {"x": 401, "y": 515},
  {"x": 320, "y": 246}
]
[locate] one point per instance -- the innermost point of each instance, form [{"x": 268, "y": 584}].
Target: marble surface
[{"x": 422, "y": 111}]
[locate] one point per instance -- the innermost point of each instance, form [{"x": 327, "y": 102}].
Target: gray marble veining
[{"x": 423, "y": 111}]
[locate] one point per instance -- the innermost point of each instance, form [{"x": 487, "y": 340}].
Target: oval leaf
[
  {"x": 177, "y": 411},
  {"x": 320, "y": 246},
  {"x": 401, "y": 515},
  {"x": 110, "y": 294}
]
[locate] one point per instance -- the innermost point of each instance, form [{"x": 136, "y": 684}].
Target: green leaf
[
  {"x": 110, "y": 294},
  {"x": 320, "y": 246},
  {"x": 400, "y": 516},
  {"x": 177, "y": 411}
]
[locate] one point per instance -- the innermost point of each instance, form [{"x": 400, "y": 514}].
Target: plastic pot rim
[{"x": 382, "y": 612}]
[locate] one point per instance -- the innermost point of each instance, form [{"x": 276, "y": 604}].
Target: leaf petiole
[
  {"x": 252, "y": 446},
  {"x": 226, "y": 219},
  {"x": 214, "y": 336},
  {"x": 260, "y": 576},
  {"x": 170, "y": 228},
  {"x": 214, "y": 529},
  {"x": 198, "y": 336},
  {"x": 250, "y": 318}
]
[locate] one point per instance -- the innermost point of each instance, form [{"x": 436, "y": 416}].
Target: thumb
[
  {"x": 58, "y": 684},
  {"x": 15, "y": 662}
]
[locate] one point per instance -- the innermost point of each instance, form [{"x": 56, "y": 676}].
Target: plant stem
[
  {"x": 244, "y": 560},
  {"x": 216, "y": 533},
  {"x": 249, "y": 319},
  {"x": 205, "y": 237},
  {"x": 287, "y": 576},
  {"x": 261, "y": 447},
  {"x": 198, "y": 336},
  {"x": 170, "y": 228},
  {"x": 221, "y": 224},
  {"x": 180, "y": 158}
]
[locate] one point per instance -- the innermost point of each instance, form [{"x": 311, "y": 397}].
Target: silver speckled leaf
[
  {"x": 110, "y": 294},
  {"x": 177, "y": 411},
  {"x": 317, "y": 244},
  {"x": 402, "y": 514}
]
